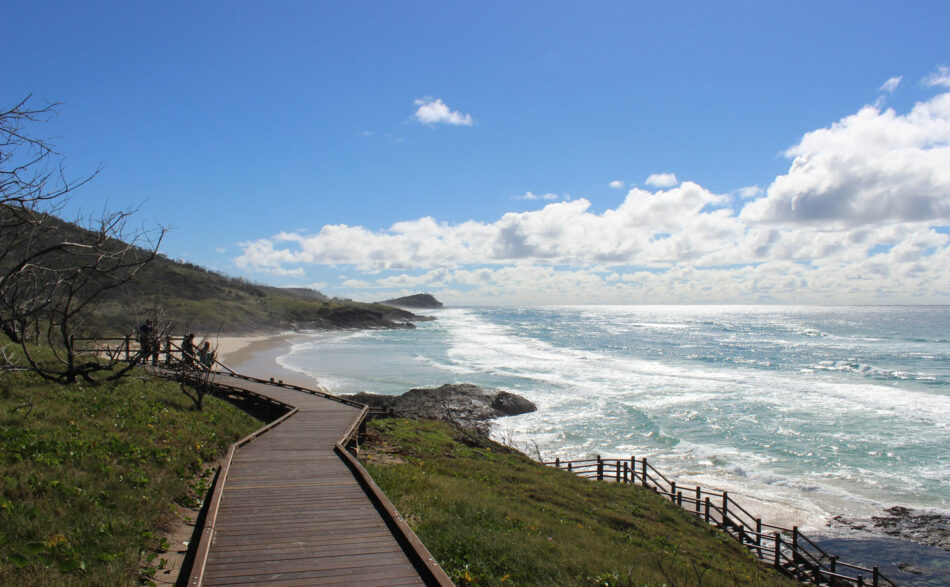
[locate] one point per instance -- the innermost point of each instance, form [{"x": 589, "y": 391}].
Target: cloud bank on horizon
[{"x": 861, "y": 216}]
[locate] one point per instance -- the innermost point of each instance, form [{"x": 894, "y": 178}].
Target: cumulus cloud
[
  {"x": 891, "y": 84},
  {"x": 871, "y": 167},
  {"x": 662, "y": 180},
  {"x": 939, "y": 78},
  {"x": 750, "y": 192},
  {"x": 434, "y": 111},
  {"x": 533, "y": 196},
  {"x": 357, "y": 283},
  {"x": 856, "y": 218},
  {"x": 617, "y": 184}
]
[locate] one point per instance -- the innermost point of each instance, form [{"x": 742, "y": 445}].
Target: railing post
[
  {"x": 707, "y": 510},
  {"x": 860, "y": 580},
  {"x": 643, "y": 463},
  {"x": 673, "y": 491},
  {"x": 618, "y": 470},
  {"x": 699, "y": 497},
  {"x": 633, "y": 469},
  {"x": 557, "y": 462},
  {"x": 128, "y": 351},
  {"x": 876, "y": 577},
  {"x": 570, "y": 467},
  {"x": 600, "y": 468},
  {"x": 795, "y": 544},
  {"x": 679, "y": 498},
  {"x": 778, "y": 550},
  {"x": 168, "y": 350},
  {"x": 758, "y": 535},
  {"x": 725, "y": 509},
  {"x": 833, "y": 565},
  {"x": 626, "y": 472}
]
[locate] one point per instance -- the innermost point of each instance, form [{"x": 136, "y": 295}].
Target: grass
[
  {"x": 89, "y": 476},
  {"x": 491, "y": 516}
]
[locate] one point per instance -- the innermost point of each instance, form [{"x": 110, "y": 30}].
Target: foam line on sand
[{"x": 256, "y": 356}]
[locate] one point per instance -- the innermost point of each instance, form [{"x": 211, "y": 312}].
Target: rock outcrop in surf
[{"x": 464, "y": 404}]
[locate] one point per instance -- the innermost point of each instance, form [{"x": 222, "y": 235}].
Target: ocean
[{"x": 803, "y": 413}]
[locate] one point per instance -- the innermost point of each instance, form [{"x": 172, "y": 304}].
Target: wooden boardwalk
[{"x": 291, "y": 510}]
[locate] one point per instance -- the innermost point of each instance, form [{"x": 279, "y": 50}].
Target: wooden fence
[{"x": 787, "y": 549}]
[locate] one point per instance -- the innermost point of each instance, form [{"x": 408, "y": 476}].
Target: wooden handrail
[{"x": 790, "y": 556}]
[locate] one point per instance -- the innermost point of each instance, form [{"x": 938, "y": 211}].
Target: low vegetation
[
  {"x": 90, "y": 475},
  {"x": 492, "y": 516}
]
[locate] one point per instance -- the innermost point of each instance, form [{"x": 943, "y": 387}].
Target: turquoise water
[{"x": 802, "y": 412}]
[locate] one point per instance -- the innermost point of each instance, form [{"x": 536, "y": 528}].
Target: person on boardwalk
[
  {"x": 188, "y": 349},
  {"x": 206, "y": 355},
  {"x": 148, "y": 342}
]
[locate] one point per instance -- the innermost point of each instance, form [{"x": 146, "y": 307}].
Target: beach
[{"x": 256, "y": 356}]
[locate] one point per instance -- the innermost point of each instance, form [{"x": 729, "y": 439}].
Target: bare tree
[
  {"x": 31, "y": 175},
  {"x": 195, "y": 376},
  {"x": 53, "y": 273}
]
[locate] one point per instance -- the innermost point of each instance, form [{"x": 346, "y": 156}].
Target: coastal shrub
[
  {"x": 492, "y": 516},
  {"x": 89, "y": 475}
]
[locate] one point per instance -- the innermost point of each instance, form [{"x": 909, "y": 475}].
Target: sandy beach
[{"x": 256, "y": 356}]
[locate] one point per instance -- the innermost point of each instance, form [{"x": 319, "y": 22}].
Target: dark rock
[
  {"x": 510, "y": 404},
  {"x": 930, "y": 529},
  {"x": 400, "y": 315},
  {"x": 910, "y": 568},
  {"x": 464, "y": 404}
]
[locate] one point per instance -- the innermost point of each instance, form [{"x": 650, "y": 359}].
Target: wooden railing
[
  {"x": 128, "y": 347},
  {"x": 786, "y": 549}
]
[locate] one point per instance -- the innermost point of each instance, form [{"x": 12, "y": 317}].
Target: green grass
[
  {"x": 491, "y": 516},
  {"x": 89, "y": 475}
]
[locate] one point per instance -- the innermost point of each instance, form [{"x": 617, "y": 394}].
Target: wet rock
[
  {"x": 464, "y": 404},
  {"x": 510, "y": 404},
  {"x": 910, "y": 568},
  {"x": 930, "y": 529}
]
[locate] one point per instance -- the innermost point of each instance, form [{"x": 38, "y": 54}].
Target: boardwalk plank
[{"x": 291, "y": 512}]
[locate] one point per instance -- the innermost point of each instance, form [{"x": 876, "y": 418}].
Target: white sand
[{"x": 256, "y": 356}]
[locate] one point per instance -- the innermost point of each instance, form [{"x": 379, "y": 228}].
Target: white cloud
[
  {"x": 891, "y": 84},
  {"x": 852, "y": 221},
  {"x": 750, "y": 192},
  {"x": 662, "y": 180},
  {"x": 868, "y": 168},
  {"x": 617, "y": 184},
  {"x": 532, "y": 196},
  {"x": 357, "y": 283},
  {"x": 434, "y": 111},
  {"x": 939, "y": 78},
  {"x": 221, "y": 250}
]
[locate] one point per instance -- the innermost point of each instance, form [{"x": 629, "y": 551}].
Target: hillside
[
  {"x": 195, "y": 299},
  {"x": 199, "y": 300},
  {"x": 491, "y": 516},
  {"x": 92, "y": 477},
  {"x": 414, "y": 301}
]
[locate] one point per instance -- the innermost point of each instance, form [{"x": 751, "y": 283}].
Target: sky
[{"x": 507, "y": 153}]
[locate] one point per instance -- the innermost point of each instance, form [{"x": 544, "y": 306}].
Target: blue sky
[{"x": 499, "y": 152}]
